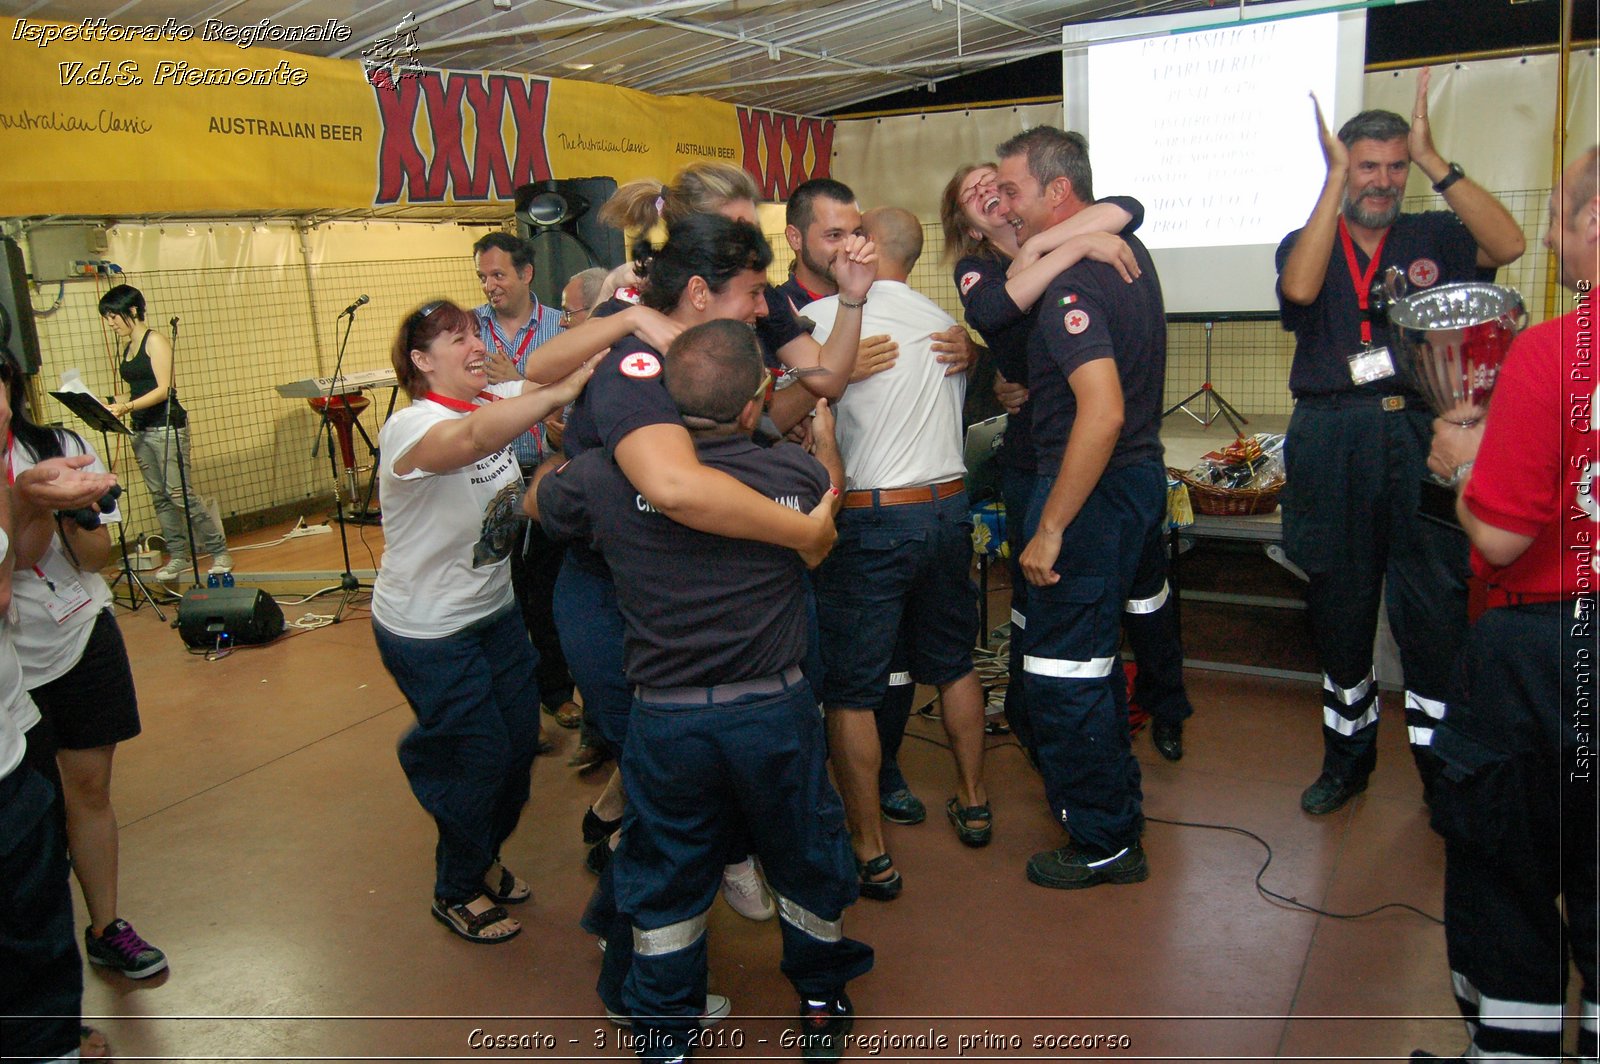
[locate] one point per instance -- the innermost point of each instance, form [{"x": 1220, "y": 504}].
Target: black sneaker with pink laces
[{"x": 120, "y": 947}]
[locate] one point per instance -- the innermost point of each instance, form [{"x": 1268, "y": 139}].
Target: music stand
[{"x": 98, "y": 416}]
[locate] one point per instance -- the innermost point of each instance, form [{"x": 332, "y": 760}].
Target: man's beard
[
  {"x": 823, "y": 270},
  {"x": 1382, "y": 217}
]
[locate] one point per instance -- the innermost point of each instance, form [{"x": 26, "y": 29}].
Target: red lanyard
[
  {"x": 527, "y": 337},
  {"x": 459, "y": 405},
  {"x": 1362, "y": 281}
]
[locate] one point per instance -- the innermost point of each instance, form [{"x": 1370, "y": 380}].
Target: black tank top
[{"x": 141, "y": 379}]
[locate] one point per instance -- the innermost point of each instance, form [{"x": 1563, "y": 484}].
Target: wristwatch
[{"x": 1454, "y": 174}]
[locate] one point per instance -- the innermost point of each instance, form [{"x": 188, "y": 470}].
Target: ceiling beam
[
  {"x": 771, "y": 47},
  {"x": 410, "y": 22},
  {"x": 598, "y": 18},
  {"x": 977, "y": 59},
  {"x": 875, "y": 11}
]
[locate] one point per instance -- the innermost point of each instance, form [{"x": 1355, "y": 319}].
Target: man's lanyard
[
  {"x": 459, "y": 405},
  {"x": 1362, "y": 281},
  {"x": 527, "y": 337}
]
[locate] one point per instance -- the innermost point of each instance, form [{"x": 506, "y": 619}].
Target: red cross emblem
[
  {"x": 1423, "y": 273},
  {"x": 641, "y": 366},
  {"x": 1076, "y": 321},
  {"x": 968, "y": 280}
]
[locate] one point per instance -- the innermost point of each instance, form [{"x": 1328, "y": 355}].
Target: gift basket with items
[{"x": 1243, "y": 478}]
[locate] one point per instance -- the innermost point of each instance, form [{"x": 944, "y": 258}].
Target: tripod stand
[
  {"x": 95, "y": 415},
  {"x": 1224, "y": 409},
  {"x": 349, "y": 586}
]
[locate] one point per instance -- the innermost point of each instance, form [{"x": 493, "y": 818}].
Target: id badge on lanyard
[{"x": 1370, "y": 363}]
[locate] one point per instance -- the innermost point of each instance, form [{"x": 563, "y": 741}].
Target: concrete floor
[{"x": 271, "y": 847}]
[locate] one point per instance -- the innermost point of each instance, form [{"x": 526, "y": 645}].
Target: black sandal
[
  {"x": 509, "y": 891},
  {"x": 879, "y": 889},
  {"x": 470, "y": 925},
  {"x": 959, "y": 815},
  {"x": 597, "y": 827}
]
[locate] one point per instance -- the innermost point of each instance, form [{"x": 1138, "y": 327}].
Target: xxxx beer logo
[
  {"x": 493, "y": 166},
  {"x": 776, "y": 148}
]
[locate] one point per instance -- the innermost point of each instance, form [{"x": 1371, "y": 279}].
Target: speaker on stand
[{"x": 560, "y": 221}]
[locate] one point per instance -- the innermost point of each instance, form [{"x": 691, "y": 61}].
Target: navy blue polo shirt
[
  {"x": 1087, "y": 313},
  {"x": 1432, "y": 248},
  {"x": 1005, "y": 328},
  {"x": 700, "y": 609},
  {"x": 774, "y": 331},
  {"x": 625, "y": 393}
]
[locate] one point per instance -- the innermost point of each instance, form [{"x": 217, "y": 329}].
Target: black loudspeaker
[
  {"x": 17, "y": 332},
  {"x": 561, "y": 221},
  {"x": 236, "y": 615}
]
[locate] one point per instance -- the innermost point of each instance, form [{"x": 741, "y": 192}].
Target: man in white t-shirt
[{"x": 904, "y": 549}]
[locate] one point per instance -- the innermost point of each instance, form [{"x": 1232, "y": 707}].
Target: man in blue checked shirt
[{"x": 513, "y": 324}]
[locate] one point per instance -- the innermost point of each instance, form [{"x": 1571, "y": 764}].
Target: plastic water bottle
[
  {"x": 227, "y": 579},
  {"x": 212, "y": 580}
]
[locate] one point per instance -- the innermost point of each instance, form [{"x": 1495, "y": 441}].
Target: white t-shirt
[
  {"x": 56, "y": 602},
  {"x": 902, "y": 427},
  {"x": 427, "y": 587},
  {"x": 16, "y": 707}
]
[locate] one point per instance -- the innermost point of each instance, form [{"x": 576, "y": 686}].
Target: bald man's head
[{"x": 898, "y": 235}]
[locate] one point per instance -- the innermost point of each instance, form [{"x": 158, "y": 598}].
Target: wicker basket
[{"x": 1230, "y": 502}]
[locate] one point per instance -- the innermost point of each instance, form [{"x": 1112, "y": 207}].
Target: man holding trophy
[
  {"x": 1360, "y": 433},
  {"x": 1516, "y": 799}
]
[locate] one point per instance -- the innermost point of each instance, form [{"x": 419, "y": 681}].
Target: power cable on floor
[{"x": 1273, "y": 897}]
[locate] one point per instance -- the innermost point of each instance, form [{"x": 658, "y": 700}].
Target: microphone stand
[
  {"x": 136, "y": 587},
  {"x": 348, "y": 584},
  {"x": 183, "y": 476}
]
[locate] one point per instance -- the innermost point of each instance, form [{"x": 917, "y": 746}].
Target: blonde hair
[
  {"x": 958, "y": 239},
  {"x": 700, "y": 188}
]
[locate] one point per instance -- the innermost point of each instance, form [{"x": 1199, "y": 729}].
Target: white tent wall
[{"x": 1494, "y": 116}]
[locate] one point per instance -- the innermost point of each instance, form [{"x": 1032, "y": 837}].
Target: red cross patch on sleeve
[
  {"x": 1076, "y": 321},
  {"x": 1423, "y": 273},
  {"x": 968, "y": 280},
  {"x": 641, "y": 366}
]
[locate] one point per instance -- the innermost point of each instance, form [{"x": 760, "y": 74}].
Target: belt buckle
[{"x": 1391, "y": 403}]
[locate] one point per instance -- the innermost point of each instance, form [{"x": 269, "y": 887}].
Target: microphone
[
  {"x": 174, "y": 324},
  {"x": 351, "y": 309}
]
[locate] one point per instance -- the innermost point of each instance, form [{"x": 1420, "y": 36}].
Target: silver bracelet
[
  {"x": 1459, "y": 477},
  {"x": 843, "y": 302}
]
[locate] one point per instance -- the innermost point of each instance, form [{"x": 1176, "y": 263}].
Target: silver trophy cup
[{"x": 1452, "y": 340}]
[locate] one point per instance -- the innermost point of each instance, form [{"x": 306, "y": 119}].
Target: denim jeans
[
  {"x": 158, "y": 450},
  {"x": 468, "y": 758}
]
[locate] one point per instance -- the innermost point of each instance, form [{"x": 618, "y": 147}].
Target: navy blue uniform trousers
[
  {"x": 1515, "y": 801},
  {"x": 1075, "y": 688},
  {"x": 1350, "y": 521},
  {"x": 696, "y": 777}
]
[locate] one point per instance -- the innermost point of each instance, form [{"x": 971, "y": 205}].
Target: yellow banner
[{"x": 173, "y": 118}]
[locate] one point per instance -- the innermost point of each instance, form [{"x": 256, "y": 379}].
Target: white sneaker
[
  {"x": 745, "y": 891},
  {"x": 221, "y": 562},
  {"x": 717, "y": 1009},
  {"x": 173, "y": 570}
]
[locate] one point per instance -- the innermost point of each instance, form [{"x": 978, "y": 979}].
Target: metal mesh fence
[{"x": 245, "y": 330}]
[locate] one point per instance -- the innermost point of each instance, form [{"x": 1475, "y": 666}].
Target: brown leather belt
[{"x": 855, "y": 500}]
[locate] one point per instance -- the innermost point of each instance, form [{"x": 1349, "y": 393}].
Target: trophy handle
[{"x": 1394, "y": 284}]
